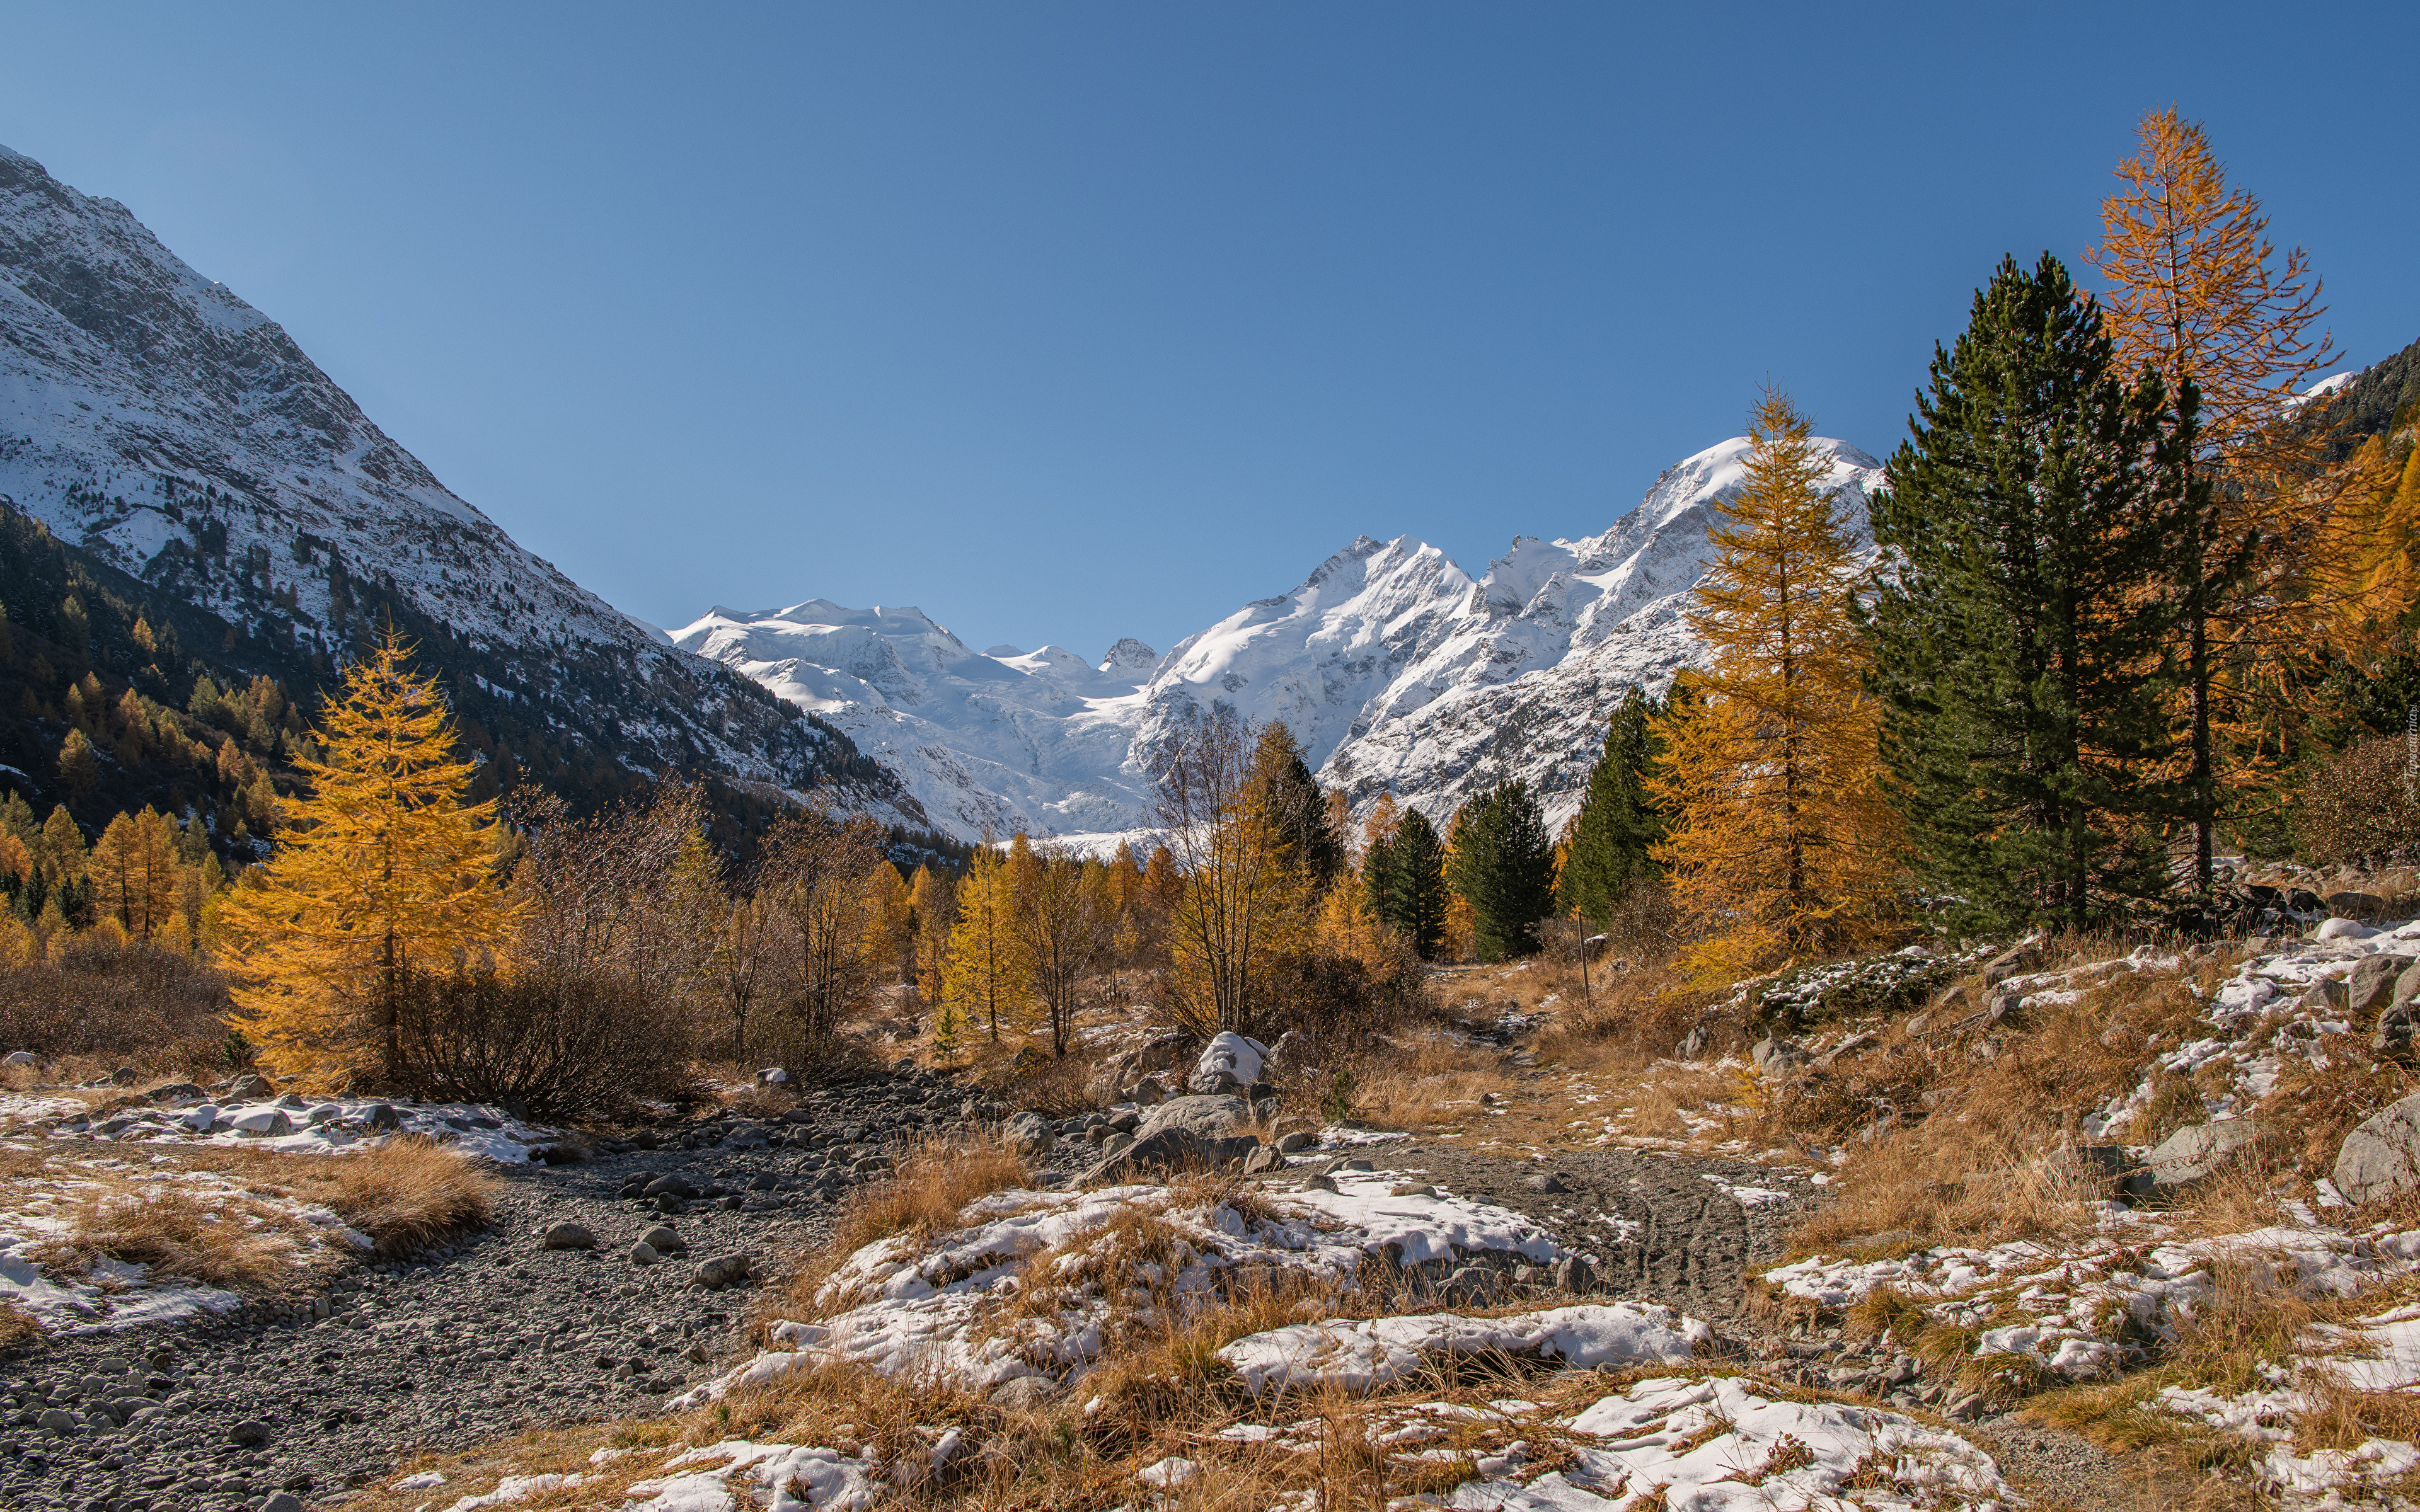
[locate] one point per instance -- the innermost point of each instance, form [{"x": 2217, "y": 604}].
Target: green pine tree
[
  {"x": 1503, "y": 865},
  {"x": 1416, "y": 894},
  {"x": 2035, "y": 520},
  {"x": 1619, "y": 822}
]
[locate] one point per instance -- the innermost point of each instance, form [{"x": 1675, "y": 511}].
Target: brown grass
[
  {"x": 406, "y": 1195},
  {"x": 18, "y": 1330},
  {"x": 924, "y": 1196},
  {"x": 1965, "y": 1159}
]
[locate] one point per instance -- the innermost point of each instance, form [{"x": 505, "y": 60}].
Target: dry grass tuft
[
  {"x": 925, "y": 1192},
  {"x": 408, "y": 1193},
  {"x": 18, "y": 1330}
]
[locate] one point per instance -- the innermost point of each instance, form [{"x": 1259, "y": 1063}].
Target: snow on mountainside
[
  {"x": 999, "y": 741},
  {"x": 1395, "y": 669},
  {"x": 151, "y": 417}
]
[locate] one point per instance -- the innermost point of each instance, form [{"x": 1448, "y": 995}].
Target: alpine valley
[{"x": 180, "y": 453}]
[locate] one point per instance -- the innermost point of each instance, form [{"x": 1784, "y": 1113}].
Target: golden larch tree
[
  {"x": 2200, "y": 292},
  {"x": 1782, "y": 844},
  {"x": 983, "y": 979},
  {"x": 135, "y": 877},
  {"x": 384, "y": 873}
]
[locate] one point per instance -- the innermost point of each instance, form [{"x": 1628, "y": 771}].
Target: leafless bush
[
  {"x": 2360, "y": 803},
  {"x": 157, "y": 1009},
  {"x": 812, "y": 884},
  {"x": 554, "y": 1044}
]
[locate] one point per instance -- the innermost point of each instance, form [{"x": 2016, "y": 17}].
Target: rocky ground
[{"x": 499, "y": 1332}]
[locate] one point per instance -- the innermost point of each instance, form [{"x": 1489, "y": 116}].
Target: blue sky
[{"x": 1068, "y": 323}]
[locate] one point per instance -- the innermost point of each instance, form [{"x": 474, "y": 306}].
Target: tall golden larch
[
  {"x": 384, "y": 873},
  {"x": 1782, "y": 845},
  {"x": 134, "y": 873}
]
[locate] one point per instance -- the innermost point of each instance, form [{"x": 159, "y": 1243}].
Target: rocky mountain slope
[
  {"x": 163, "y": 427},
  {"x": 1396, "y": 669}
]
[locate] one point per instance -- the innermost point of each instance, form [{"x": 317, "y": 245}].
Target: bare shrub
[
  {"x": 2359, "y": 804},
  {"x": 551, "y": 1044},
  {"x": 157, "y": 1009}
]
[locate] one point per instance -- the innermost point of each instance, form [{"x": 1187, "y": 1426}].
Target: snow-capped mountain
[
  {"x": 1396, "y": 670},
  {"x": 994, "y": 741},
  {"x": 169, "y": 429}
]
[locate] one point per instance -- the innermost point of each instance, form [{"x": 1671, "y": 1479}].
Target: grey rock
[
  {"x": 1692, "y": 1045},
  {"x": 2118, "y": 1172},
  {"x": 179, "y": 1095},
  {"x": 1475, "y": 1286},
  {"x": 644, "y": 1253},
  {"x": 57, "y": 1420},
  {"x": 263, "y": 1122},
  {"x": 1544, "y": 1181},
  {"x": 1316, "y": 1182},
  {"x": 19, "y": 1060},
  {"x": 1575, "y": 1275},
  {"x": 2197, "y": 1149},
  {"x": 2382, "y": 1156},
  {"x": 1263, "y": 1158},
  {"x": 1298, "y": 1141},
  {"x": 382, "y": 1118},
  {"x": 2372, "y": 985},
  {"x": 2393, "y": 1039},
  {"x": 2406, "y": 986},
  {"x": 291, "y": 1102},
  {"x": 669, "y": 1185},
  {"x": 124, "y": 1076},
  {"x": 250, "y": 1089},
  {"x": 2013, "y": 961},
  {"x": 1412, "y": 1189},
  {"x": 249, "y": 1433},
  {"x": 746, "y": 1136},
  {"x": 1024, "y": 1393},
  {"x": 1356, "y": 1163},
  {"x": 1028, "y": 1133},
  {"x": 282, "y": 1502},
  {"x": 567, "y": 1236},
  {"x": 663, "y": 1239},
  {"x": 1204, "y": 1118},
  {"x": 725, "y": 1271}
]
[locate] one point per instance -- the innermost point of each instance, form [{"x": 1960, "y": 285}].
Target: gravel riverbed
[{"x": 496, "y": 1333}]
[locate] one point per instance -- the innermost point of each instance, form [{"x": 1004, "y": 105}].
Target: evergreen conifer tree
[
  {"x": 1503, "y": 865},
  {"x": 1417, "y": 899},
  {"x": 2035, "y": 519},
  {"x": 1612, "y": 839}
]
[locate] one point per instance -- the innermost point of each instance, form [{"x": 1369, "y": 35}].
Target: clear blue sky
[{"x": 1067, "y": 322}]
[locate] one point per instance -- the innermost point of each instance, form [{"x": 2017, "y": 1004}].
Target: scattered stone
[
  {"x": 1028, "y": 1133},
  {"x": 663, "y": 1239},
  {"x": 773, "y": 1076},
  {"x": 2382, "y": 1156},
  {"x": 19, "y": 1060},
  {"x": 1298, "y": 1141},
  {"x": 250, "y": 1434},
  {"x": 644, "y": 1253},
  {"x": 1544, "y": 1181},
  {"x": 2013, "y": 961},
  {"x": 1202, "y": 1116},
  {"x": 124, "y": 1076},
  {"x": 1265, "y": 1158},
  {"x": 1316, "y": 1182},
  {"x": 1022, "y": 1395},
  {"x": 382, "y": 1118},
  {"x": 1692, "y": 1045},
  {"x": 178, "y": 1095},
  {"x": 250, "y": 1089},
  {"x": 2392, "y": 1041},
  {"x": 1473, "y": 1286},
  {"x": 1229, "y": 1063},
  {"x": 2373, "y": 983},
  {"x": 1413, "y": 1189},
  {"x": 282, "y": 1502},
  {"x": 725, "y": 1271},
  {"x": 2197, "y": 1149},
  {"x": 263, "y": 1122},
  {"x": 1574, "y": 1276},
  {"x": 567, "y": 1236}
]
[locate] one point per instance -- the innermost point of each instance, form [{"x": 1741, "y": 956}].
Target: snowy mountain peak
[
  {"x": 156, "y": 420},
  {"x": 1130, "y": 656}
]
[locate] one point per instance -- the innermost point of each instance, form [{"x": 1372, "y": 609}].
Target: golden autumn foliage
[
  {"x": 1782, "y": 845},
  {"x": 383, "y": 872},
  {"x": 135, "y": 878}
]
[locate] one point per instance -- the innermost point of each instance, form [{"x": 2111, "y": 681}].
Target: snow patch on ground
[
  {"x": 1361, "y": 1354},
  {"x": 1068, "y": 1263}
]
